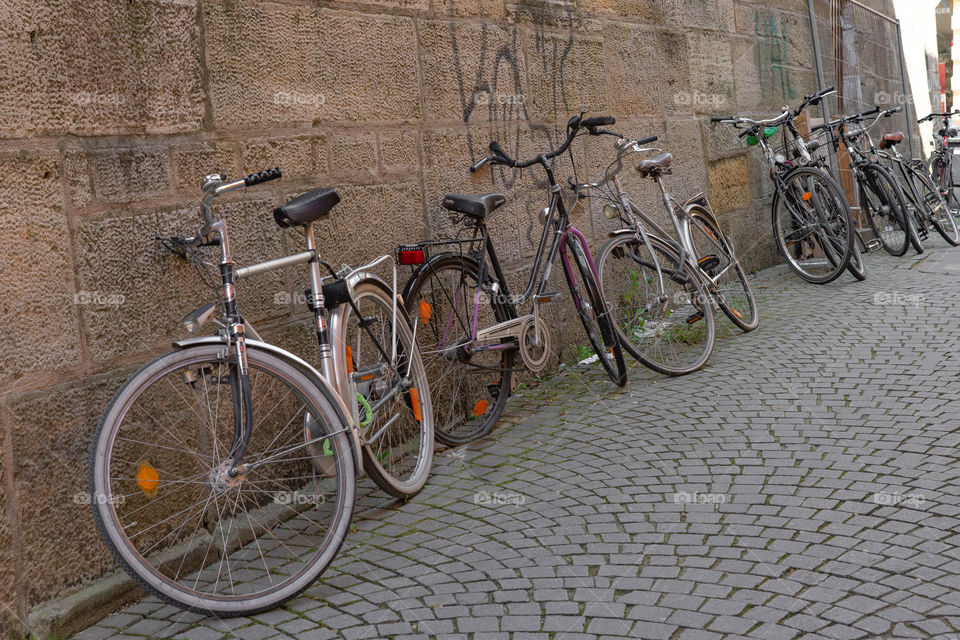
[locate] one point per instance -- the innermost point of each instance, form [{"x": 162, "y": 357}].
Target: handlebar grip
[
  {"x": 871, "y": 111},
  {"x": 896, "y": 110},
  {"x": 720, "y": 118},
  {"x": 599, "y": 121},
  {"x": 262, "y": 176},
  {"x": 647, "y": 140},
  {"x": 479, "y": 163}
]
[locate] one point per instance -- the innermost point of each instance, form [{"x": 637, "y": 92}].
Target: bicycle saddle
[
  {"x": 890, "y": 139},
  {"x": 477, "y": 207},
  {"x": 306, "y": 208},
  {"x": 656, "y": 165}
]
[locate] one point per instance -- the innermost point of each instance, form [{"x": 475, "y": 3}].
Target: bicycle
[
  {"x": 223, "y": 473},
  {"x": 882, "y": 200},
  {"x": 927, "y": 204},
  {"x": 668, "y": 330},
  {"x": 812, "y": 224},
  {"x": 472, "y": 329},
  {"x": 940, "y": 164}
]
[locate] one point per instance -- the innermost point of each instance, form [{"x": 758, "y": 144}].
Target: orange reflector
[
  {"x": 148, "y": 479},
  {"x": 349, "y": 359},
  {"x": 425, "y": 311},
  {"x": 480, "y": 408},
  {"x": 806, "y": 196},
  {"x": 415, "y": 404},
  {"x": 736, "y": 313},
  {"x": 369, "y": 376}
]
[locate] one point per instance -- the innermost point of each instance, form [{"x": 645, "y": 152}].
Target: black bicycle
[
  {"x": 812, "y": 224},
  {"x": 470, "y": 328},
  {"x": 882, "y": 201}
]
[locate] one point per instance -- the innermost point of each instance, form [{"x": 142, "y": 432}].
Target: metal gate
[{"x": 859, "y": 50}]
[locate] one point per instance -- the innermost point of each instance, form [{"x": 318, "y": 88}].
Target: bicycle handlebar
[
  {"x": 574, "y": 124},
  {"x": 938, "y": 115}
]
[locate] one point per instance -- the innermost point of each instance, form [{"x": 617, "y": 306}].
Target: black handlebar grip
[
  {"x": 599, "y": 121},
  {"x": 647, "y": 140},
  {"x": 896, "y": 110},
  {"x": 262, "y": 176},
  {"x": 720, "y": 118}
]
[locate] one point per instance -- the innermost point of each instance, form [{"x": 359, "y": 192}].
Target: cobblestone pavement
[{"x": 804, "y": 485}]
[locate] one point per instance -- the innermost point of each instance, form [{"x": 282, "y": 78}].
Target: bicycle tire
[
  {"x": 597, "y": 311},
  {"x": 744, "y": 312},
  {"x": 879, "y": 199},
  {"x": 389, "y": 467},
  {"x": 935, "y": 205},
  {"x": 833, "y": 228},
  {"x": 669, "y": 332},
  {"x": 448, "y": 431},
  {"x": 321, "y": 412}
]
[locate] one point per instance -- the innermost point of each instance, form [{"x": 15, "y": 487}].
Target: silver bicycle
[
  {"x": 223, "y": 474},
  {"x": 662, "y": 288}
]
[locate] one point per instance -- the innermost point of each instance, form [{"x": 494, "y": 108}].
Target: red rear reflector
[{"x": 411, "y": 256}]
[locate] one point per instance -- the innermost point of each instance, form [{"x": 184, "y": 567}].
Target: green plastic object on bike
[{"x": 767, "y": 132}]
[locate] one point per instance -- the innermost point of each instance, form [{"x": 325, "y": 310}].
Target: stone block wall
[{"x": 110, "y": 112}]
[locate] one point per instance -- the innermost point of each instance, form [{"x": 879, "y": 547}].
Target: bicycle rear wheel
[
  {"x": 715, "y": 256},
  {"x": 173, "y": 517},
  {"x": 469, "y": 383},
  {"x": 396, "y": 415},
  {"x": 595, "y": 314},
  {"x": 883, "y": 210},
  {"x": 812, "y": 225},
  {"x": 669, "y": 329},
  {"x": 935, "y": 207}
]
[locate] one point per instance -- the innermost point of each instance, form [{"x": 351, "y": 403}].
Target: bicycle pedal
[
  {"x": 708, "y": 262},
  {"x": 873, "y": 245},
  {"x": 695, "y": 317}
]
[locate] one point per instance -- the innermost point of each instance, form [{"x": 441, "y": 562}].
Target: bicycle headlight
[{"x": 610, "y": 212}]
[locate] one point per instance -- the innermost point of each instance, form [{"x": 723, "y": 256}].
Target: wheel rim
[
  {"x": 653, "y": 322},
  {"x": 398, "y": 433},
  {"x": 732, "y": 290},
  {"x": 465, "y": 382},
  {"x": 812, "y": 227},
  {"x": 170, "y": 510}
]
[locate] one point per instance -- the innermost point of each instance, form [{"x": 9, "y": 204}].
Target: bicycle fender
[{"x": 324, "y": 385}]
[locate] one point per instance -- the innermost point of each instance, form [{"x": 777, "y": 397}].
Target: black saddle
[
  {"x": 477, "y": 207},
  {"x": 306, "y": 208}
]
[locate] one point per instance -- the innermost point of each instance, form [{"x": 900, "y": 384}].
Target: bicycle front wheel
[
  {"x": 812, "y": 225},
  {"x": 595, "y": 313},
  {"x": 935, "y": 207},
  {"x": 669, "y": 329},
  {"x": 179, "y": 523},
  {"x": 393, "y": 401}
]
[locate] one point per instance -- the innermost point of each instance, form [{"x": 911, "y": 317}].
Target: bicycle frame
[{"x": 333, "y": 370}]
